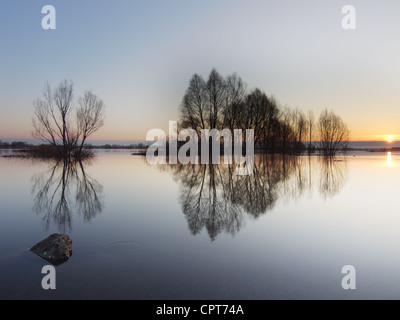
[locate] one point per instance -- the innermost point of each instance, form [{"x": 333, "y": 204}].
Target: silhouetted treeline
[
  {"x": 118, "y": 146},
  {"x": 14, "y": 145},
  {"x": 225, "y": 103},
  {"x": 46, "y": 151}
]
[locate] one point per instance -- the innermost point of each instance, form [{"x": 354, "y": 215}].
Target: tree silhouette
[
  {"x": 334, "y": 134},
  {"x": 90, "y": 117},
  {"x": 52, "y": 119},
  {"x": 193, "y": 109},
  {"x": 234, "y": 102},
  {"x": 224, "y": 103},
  {"x": 216, "y": 98}
]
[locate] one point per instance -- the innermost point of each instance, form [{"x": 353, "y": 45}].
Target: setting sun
[{"x": 389, "y": 138}]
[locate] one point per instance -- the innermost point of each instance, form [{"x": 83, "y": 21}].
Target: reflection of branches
[
  {"x": 88, "y": 196},
  {"x": 296, "y": 176},
  {"x": 215, "y": 198},
  {"x": 257, "y": 193},
  {"x": 52, "y": 191},
  {"x": 203, "y": 199},
  {"x": 333, "y": 176}
]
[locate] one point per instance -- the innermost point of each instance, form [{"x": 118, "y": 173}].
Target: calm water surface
[{"x": 201, "y": 232}]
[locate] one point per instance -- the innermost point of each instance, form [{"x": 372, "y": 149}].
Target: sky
[{"x": 138, "y": 56}]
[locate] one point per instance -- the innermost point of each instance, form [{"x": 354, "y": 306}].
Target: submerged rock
[{"x": 56, "y": 249}]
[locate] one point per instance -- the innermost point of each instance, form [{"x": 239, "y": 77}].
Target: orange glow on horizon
[
  {"x": 108, "y": 133},
  {"x": 389, "y": 138}
]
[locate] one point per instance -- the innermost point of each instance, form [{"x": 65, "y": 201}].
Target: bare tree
[
  {"x": 300, "y": 129},
  {"x": 234, "y": 98},
  {"x": 193, "y": 112},
  {"x": 310, "y": 124},
  {"x": 286, "y": 130},
  {"x": 271, "y": 123},
  {"x": 52, "y": 123},
  {"x": 90, "y": 116},
  {"x": 213, "y": 104},
  {"x": 216, "y": 98},
  {"x": 334, "y": 134},
  {"x": 255, "y": 113}
]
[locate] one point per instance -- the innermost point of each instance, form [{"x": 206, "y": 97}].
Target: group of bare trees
[
  {"x": 53, "y": 119},
  {"x": 217, "y": 103},
  {"x": 220, "y": 103}
]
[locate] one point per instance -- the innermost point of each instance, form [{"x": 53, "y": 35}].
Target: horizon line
[{"x": 143, "y": 139}]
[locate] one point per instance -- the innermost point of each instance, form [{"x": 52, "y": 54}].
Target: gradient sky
[{"x": 138, "y": 56}]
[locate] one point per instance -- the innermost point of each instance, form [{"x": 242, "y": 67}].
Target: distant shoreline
[
  {"x": 140, "y": 150},
  {"x": 140, "y": 147},
  {"x": 372, "y": 144}
]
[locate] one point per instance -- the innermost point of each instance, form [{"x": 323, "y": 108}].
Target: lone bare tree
[
  {"x": 333, "y": 132},
  {"x": 52, "y": 119}
]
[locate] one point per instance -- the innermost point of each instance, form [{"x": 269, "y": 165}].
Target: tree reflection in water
[
  {"x": 215, "y": 198},
  {"x": 333, "y": 176},
  {"x": 63, "y": 187}
]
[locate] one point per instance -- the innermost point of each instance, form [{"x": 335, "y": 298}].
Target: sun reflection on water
[{"x": 389, "y": 158}]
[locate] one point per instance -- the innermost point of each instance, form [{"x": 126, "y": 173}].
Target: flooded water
[{"x": 201, "y": 232}]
